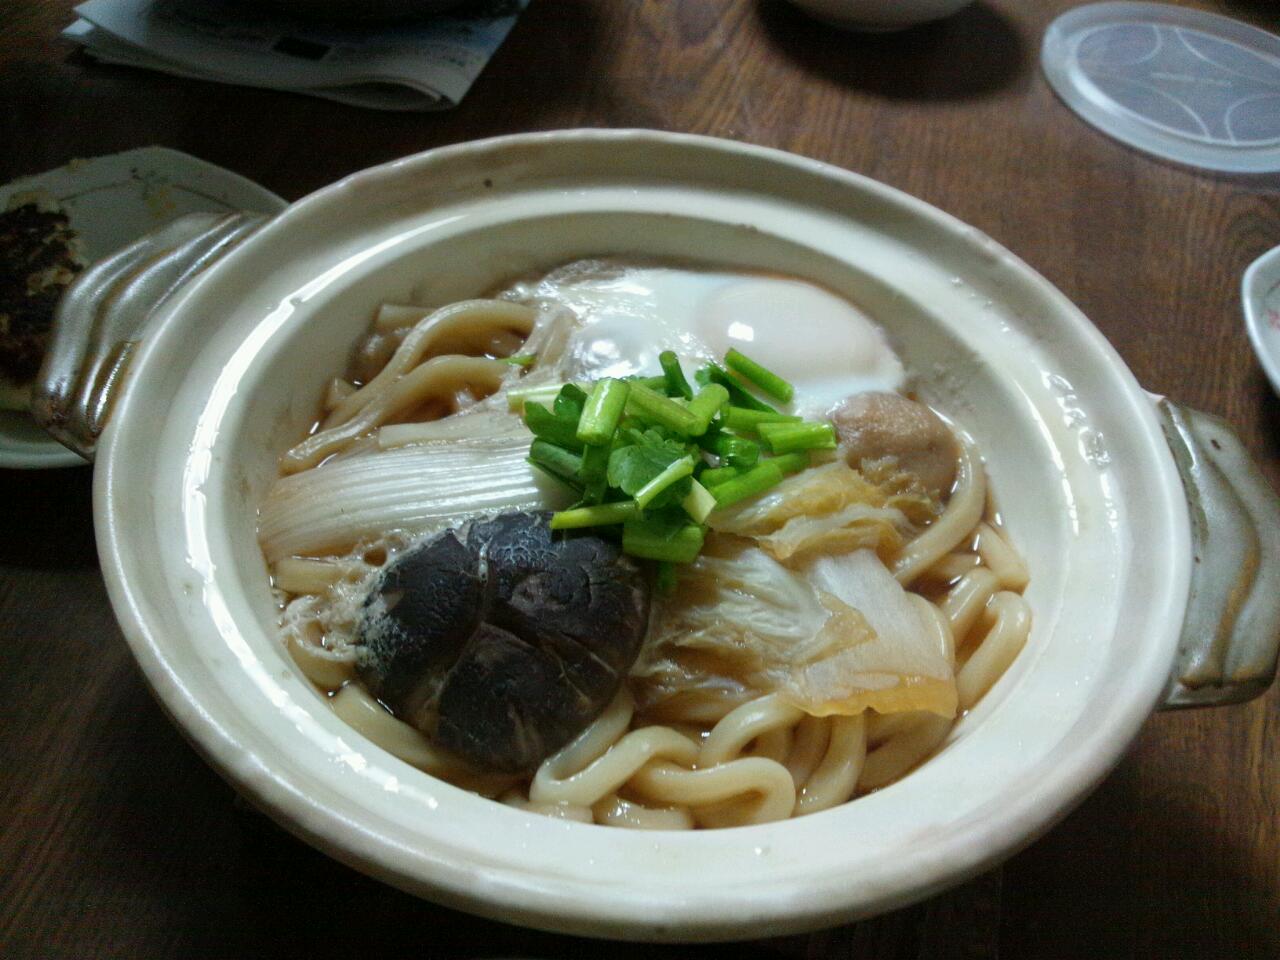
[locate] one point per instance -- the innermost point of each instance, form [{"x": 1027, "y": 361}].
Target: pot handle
[
  {"x": 105, "y": 312},
  {"x": 1231, "y": 633}
]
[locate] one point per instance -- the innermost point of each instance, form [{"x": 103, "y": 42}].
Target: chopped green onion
[
  {"x": 569, "y": 402},
  {"x": 663, "y": 410},
  {"x": 653, "y": 383},
  {"x": 595, "y": 462},
  {"x": 600, "y": 515},
  {"x": 602, "y": 411},
  {"x": 544, "y": 424},
  {"x": 735, "y": 451},
  {"x": 755, "y": 481},
  {"x": 699, "y": 502},
  {"x": 677, "y": 385},
  {"x": 657, "y": 540},
  {"x": 517, "y": 397},
  {"x": 666, "y": 579},
  {"x": 761, "y": 376},
  {"x": 748, "y": 421},
  {"x": 717, "y": 475},
  {"x": 789, "y": 437},
  {"x": 677, "y": 471},
  {"x": 739, "y": 396},
  {"x": 790, "y": 463},
  {"x": 710, "y": 400},
  {"x": 521, "y": 359},
  {"x": 557, "y": 461}
]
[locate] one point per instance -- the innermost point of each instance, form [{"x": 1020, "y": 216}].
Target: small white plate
[
  {"x": 1260, "y": 292},
  {"x": 112, "y": 201}
]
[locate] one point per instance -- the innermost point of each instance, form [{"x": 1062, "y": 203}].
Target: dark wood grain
[{"x": 116, "y": 841}]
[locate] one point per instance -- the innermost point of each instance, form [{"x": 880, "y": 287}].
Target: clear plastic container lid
[{"x": 1188, "y": 86}]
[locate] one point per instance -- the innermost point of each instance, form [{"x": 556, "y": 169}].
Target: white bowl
[
  {"x": 1260, "y": 294},
  {"x": 879, "y": 15},
  {"x": 232, "y": 373}
]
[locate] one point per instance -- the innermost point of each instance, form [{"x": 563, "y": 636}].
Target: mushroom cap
[{"x": 501, "y": 640}]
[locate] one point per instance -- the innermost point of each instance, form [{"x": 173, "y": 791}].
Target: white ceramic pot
[{"x": 230, "y": 373}]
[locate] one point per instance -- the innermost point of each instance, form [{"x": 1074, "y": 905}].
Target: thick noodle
[{"x": 717, "y": 757}]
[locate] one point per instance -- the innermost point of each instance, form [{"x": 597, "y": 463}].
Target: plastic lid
[{"x": 1188, "y": 86}]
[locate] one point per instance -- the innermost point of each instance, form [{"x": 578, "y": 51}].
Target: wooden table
[{"x": 117, "y": 841}]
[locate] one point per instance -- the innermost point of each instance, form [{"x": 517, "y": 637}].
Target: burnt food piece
[
  {"x": 502, "y": 641},
  {"x": 38, "y": 260}
]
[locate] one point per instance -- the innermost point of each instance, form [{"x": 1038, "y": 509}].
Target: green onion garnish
[
  {"x": 675, "y": 472},
  {"x": 748, "y": 421},
  {"x": 656, "y": 457},
  {"x": 756, "y": 480},
  {"x": 790, "y": 463},
  {"x": 545, "y": 425},
  {"x": 736, "y": 451},
  {"x": 739, "y": 396},
  {"x": 761, "y": 376},
  {"x": 717, "y": 475},
  {"x": 595, "y": 461},
  {"x": 656, "y": 540},
  {"x": 569, "y": 402},
  {"x": 517, "y": 397},
  {"x": 677, "y": 385},
  {"x": 521, "y": 359},
  {"x": 602, "y": 411},
  {"x": 663, "y": 411},
  {"x": 557, "y": 461},
  {"x": 710, "y": 400},
  {"x": 665, "y": 581},
  {"x": 789, "y": 437},
  {"x": 699, "y": 502},
  {"x": 600, "y": 515}
]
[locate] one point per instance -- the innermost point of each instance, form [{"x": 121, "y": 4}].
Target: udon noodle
[{"x": 426, "y": 379}]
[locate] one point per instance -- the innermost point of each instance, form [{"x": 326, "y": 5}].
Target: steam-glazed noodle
[{"x": 706, "y": 763}]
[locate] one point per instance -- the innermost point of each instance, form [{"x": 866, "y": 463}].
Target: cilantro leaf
[{"x": 640, "y": 458}]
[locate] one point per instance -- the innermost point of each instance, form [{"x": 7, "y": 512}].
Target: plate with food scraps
[{"x": 53, "y": 225}]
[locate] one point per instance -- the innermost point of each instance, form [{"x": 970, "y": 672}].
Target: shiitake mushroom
[{"x": 502, "y": 641}]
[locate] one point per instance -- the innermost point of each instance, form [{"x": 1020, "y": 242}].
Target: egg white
[{"x": 822, "y": 344}]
